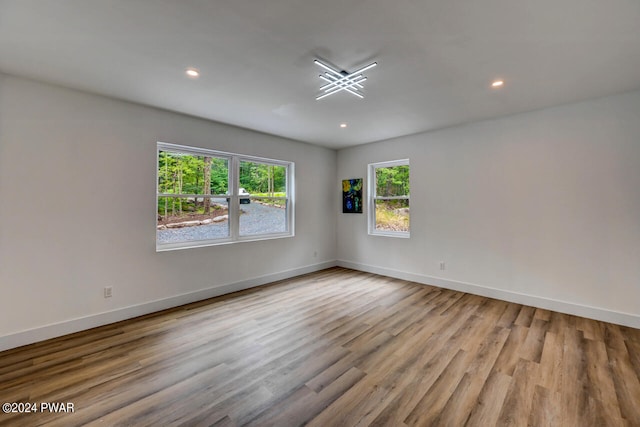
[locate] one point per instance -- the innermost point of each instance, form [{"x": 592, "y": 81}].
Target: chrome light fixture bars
[{"x": 338, "y": 81}]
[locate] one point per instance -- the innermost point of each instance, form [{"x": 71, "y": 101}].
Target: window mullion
[
  {"x": 391, "y": 197},
  {"x": 290, "y": 199},
  {"x": 234, "y": 201},
  {"x": 372, "y": 198}
]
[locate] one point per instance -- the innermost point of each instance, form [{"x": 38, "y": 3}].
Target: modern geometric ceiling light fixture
[{"x": 337, "y": 81}]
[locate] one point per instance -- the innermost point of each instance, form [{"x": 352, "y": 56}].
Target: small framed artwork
[{"x": 352, "y": 195}]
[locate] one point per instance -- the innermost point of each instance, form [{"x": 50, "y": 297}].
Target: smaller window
[{"x": 389, "y": 198}]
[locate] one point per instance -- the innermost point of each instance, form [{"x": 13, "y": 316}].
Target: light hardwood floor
[{"x": 335, "y": 348}]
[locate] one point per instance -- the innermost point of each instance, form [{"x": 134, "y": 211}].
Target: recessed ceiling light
[
  {"x": 343, "y": 125},
  {"x": 497, "y": 83},
  {"x": 192, "y": 73}
]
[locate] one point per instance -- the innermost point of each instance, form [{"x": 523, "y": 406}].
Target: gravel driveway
[{"x": 256, "y": 219}]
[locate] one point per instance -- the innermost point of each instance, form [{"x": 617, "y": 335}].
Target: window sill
[
  {"x": 219, "y": 242},
  {"x": 397, "y": 234}
]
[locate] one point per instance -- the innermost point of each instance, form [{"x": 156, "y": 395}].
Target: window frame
[
  {"x": 373, "y": 197},
  {"x": 234, "y": 160}
]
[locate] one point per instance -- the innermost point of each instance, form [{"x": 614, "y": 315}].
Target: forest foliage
[
  {"x": 191, "y": 175},
  {"x": 181, "y": 173},
  {"x": 392, "y": 181}
]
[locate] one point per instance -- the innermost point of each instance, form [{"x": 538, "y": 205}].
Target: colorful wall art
[{"x": 352, "y": 195}]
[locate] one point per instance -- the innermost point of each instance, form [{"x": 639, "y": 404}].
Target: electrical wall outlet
[
  {"x": 443, "y": 266},
  {"x": 108, "y": 291}
]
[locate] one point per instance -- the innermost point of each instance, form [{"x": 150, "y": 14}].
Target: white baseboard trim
[
  {"x": 619, "y": 318},
  {"x": 83, "y": 323}
]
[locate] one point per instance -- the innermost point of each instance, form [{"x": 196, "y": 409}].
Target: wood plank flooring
[{"x": 335, "y": 348}]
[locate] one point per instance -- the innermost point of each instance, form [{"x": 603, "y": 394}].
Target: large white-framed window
[
  {"x": 389, "y": 213},
  {"x": 208, "y": 197}
]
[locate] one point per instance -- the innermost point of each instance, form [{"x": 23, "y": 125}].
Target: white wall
[
  {"x": 540, "y": 208},
  {"x": 77, "y": 202}
]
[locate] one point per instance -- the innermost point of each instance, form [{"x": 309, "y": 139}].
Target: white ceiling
[{"x": 436, "y": 58}]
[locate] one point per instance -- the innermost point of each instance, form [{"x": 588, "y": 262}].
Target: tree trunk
[
  {"x": 270, "y": 180},
  {"x": 175, "y": 190},
  {"x": 180, "y": 188},
  {"x": 166, "y": 184},
  {"x": 195, "y": 203},
  {"x": 206, "y": 185}
]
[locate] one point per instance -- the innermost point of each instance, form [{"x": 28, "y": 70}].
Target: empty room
[{"x": 339, "y": 213}]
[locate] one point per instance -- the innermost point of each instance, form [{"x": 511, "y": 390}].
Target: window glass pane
[
  {"x": 182, "y": 173},
  {"x": 219, "y": 175},
  {"x": 186, "y": 219},
  {"x": 392, "y": 181},
  {"x": 263, "y": 215},
  {"x": 392, "y": 215},
  {"x": 261, "y": 179}
]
